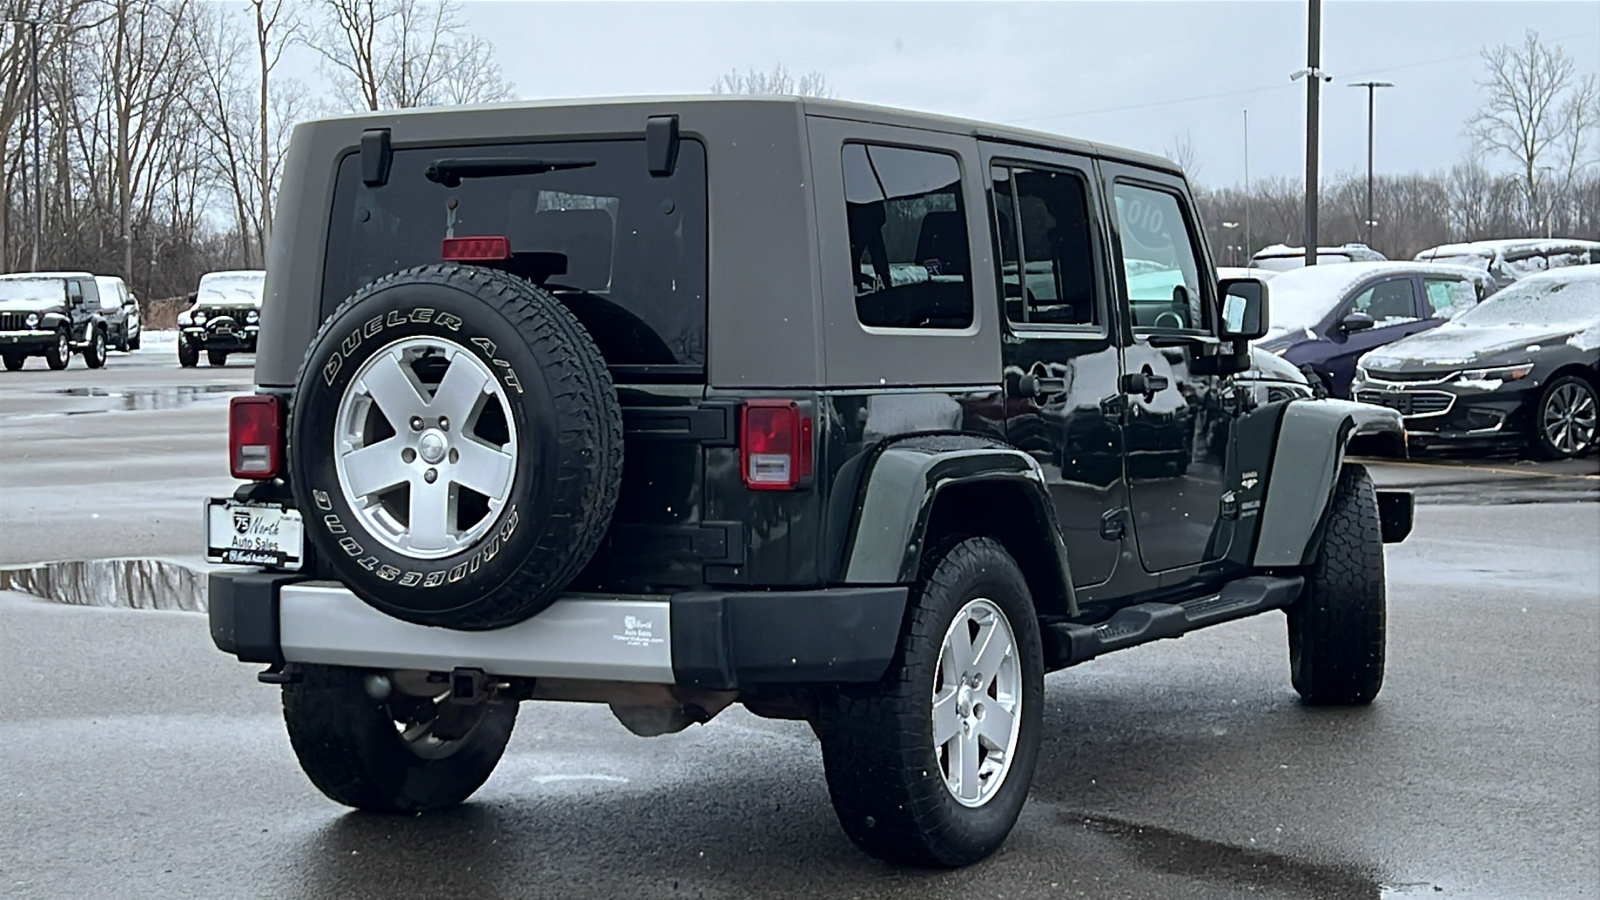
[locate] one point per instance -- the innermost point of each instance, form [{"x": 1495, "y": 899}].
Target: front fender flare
[
  {"x": 1312, "y": 440},
  {"x": 902, "y": 486}
]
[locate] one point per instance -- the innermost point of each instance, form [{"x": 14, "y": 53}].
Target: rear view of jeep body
[{"x": 673, "y": 404}]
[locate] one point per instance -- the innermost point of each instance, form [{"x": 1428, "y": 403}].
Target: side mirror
[
  {"x": 1356, "y": 321},
  {"x": 1244, "y": 309}
]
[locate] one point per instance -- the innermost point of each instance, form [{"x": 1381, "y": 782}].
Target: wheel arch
[
  {"x": 1314, "y": 436},
  {"x": 919, "y": 490}
]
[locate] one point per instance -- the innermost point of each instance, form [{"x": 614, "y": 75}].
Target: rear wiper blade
[{"x": 450, "y": 172}]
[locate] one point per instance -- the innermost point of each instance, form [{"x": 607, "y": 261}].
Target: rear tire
[
  {"x": 94, "y": 355},
  {"x": 134, "y": 344},
  {"x": 14, "y": 361},
  {"x": 188, "y": 355},
  {"x": 217, "y": 357},
  {"x": 58, "y": 355},
  {"x": 1337, "y": 627},
  {"x": 352, "y": 747},
  {"x": 894, "y": 787}
]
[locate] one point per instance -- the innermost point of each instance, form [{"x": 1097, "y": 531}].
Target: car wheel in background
[
  {"x": 1564, "y": 422},
  {"x": 188, "y": 354},
  {"x": 217, "y": 357},
  {"x": 57, "y": 356},
  {"x": 14, "y": 361},
  {"x": 94, "y": 355},
  {"x": 134, "y": 343}
]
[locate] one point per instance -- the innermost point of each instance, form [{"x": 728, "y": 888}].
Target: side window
[
  {"x": 1390, "y": 302},
  {"x": 1046, "y": 277},
  {"x": 74, "y": 292},
  {"x": 110, "y": 298},
  {"x": 1448, "y": 296},
  {"x": 909, "y": 255},
  {"x": 1158, "y": 260}
]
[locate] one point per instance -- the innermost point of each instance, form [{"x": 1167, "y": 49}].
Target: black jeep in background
[
  {"x": 51, "y": 314},
  {"x": 224, "y": 317},
  {"x": 875, "y": 446}
]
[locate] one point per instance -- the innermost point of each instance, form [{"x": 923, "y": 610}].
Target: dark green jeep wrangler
[{"x": 845, "y": 414}]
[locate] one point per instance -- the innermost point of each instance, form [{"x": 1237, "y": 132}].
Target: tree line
[{"x": 143, "y": 138}]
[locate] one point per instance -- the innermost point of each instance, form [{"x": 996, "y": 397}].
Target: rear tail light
[
  {"x": 774, "y": 445},
  {"x": 475, "y": 249},
  {"x": 255, "y": 436}
]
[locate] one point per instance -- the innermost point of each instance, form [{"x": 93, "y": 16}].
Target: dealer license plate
[{"x": 254, "y": 534}]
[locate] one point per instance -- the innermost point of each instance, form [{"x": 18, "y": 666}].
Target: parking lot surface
[{"x": 140, "y": 762}]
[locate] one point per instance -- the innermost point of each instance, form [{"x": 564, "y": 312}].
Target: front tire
[
  {"x": 1337, "y": 628},
  {"x": 931, "y": 765},
  {"x": 385, "y": 755},
  {"x": 217, "y": 357},
  {"x": 14, "y": 361},
  {"x": 188, "y": 354},
  {"x": 1564, "y": 422},
  {"x": 58, "y": 355}
]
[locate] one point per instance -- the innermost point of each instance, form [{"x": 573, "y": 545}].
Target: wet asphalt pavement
[{"x": 140, "y": 762}]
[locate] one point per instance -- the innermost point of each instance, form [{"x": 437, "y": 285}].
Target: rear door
[{"x": 1060, "y": 350}]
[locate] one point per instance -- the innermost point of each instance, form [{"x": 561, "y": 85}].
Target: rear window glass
[{"x": 624, "y": 250}]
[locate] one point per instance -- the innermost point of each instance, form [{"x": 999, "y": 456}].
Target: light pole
[
  {"x": 1314, "y": 77},
  {"x": 1247, "y": 242},
  {"x": 33, "y": 125},
  {"x": 1372, "y": 89}
]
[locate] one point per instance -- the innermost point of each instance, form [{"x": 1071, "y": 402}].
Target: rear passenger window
[
  {"x": 909, "y": 255},
  {"x": 1158, "y": 260},
  {"x": 1047, "y": 277},
  {"x": 1448, "y": 296}
]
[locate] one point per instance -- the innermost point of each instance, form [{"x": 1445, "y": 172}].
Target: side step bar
[{"x": 1068, "y": 643}]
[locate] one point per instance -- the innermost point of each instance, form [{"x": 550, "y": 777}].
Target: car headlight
[
  {"x": 184, "y": 318},
  {"x": 1361, "y": 373},
  {"x": 252, "y": 317},
  {"x": 32, "y": 321},
  {"x": 1499, "y": 373},
  {"x": 199, "y": 318}
]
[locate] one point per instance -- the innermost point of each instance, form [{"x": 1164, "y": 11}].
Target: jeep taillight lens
[
  {"x": 774, "y": 445},
  {"x": 255, "y": 436}
]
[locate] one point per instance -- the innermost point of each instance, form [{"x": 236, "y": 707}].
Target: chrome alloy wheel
[
  {"x": 1569, "y": 419},
  {"x": 977, "y": 703},
  {"x": 63, "y": 346},
  {"x": 425, "y": 447}
]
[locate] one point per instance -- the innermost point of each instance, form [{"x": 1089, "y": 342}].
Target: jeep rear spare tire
[{"x": 456, "y": 444}]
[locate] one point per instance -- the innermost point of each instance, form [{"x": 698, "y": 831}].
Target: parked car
[
  {"x": 51, "y": 314},
  {"x": 224, "y": 319},
  {"x": 1245, "y": 272},
  {"x": 1325, "y": 317},
  {"x": 121, "y": 311},
  {"x": 1282, "y": 258},
  {"x": 560, "y": 454},
  {"x": 1508, "y": 260},
  {"x": 1521, "y": 369}
]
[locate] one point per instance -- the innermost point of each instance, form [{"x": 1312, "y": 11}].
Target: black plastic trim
[
  {"x": 377, "y": 155},
  {"x": 709, "y": 423},
  {"x": 1395, "y": 512},
  {"x": 242, "y": 606}
]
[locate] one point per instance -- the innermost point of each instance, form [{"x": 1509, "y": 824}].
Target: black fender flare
[
  {"x": 901, "y": 489},
  {"x": 50, "y": 321},
  {"x": 1313, "y": 438}
]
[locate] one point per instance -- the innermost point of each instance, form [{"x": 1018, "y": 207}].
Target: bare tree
[
  {"x": 778, "y": 81},
  {"x": 1539, "y": 113},
  {"x": 277, "y": 25},
  {"x": 1181, "y": 151},
  {"x": 397, "y": 54}
]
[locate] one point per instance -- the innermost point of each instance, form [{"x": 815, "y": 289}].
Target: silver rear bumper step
[{"x": 604, "y": 638}]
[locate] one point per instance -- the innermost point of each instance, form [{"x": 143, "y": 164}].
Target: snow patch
[{"x": 1588, "y": 339}]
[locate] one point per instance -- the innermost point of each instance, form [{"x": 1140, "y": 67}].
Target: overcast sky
[{"x": 1130, "y": 73}]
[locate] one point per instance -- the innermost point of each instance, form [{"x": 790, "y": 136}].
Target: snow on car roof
[
  {"x": 1487, "y": 249},
  {"x": 1300, "y": 298}
]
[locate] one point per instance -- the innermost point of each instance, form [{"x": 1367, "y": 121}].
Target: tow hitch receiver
[{"x": 468, "y": 687}]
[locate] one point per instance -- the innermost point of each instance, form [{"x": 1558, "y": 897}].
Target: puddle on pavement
[{"x": 141, "y": 398}]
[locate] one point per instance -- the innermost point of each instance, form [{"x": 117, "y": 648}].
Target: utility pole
[
  {"x": 1372, "y": 88},
  {"x": 1248, "y": 243},
  {"x": 1314, "y": 77}
]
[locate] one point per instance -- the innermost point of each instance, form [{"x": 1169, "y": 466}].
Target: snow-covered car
[
  {"x": 1326, "y": 317},
  {"x": 121, "y": 312},
  {"x": 51, "y": 314},
  {"x": 1520, "y": 369},
  {"x": 1510, "y": 259},
  {"x": 224, "y": 319},
  {"x": 1246, "y": 272},
  {"x": 1282, "y": 258}
]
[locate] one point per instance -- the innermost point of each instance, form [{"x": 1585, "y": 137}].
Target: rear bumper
[{"x": 702, "y": 639}]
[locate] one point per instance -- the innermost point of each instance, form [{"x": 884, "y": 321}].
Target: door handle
[
  {"x": 1144, "y": 382},
  {"x": 1037, "y": 386}
]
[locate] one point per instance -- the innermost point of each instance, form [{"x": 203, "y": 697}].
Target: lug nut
[
  {"x": 416, "y": 423},
  {"x": 430, "y": 476},
  {"x": 455, "y": 455},
  {"x": 408, "y": 455},
  {"x": 444, "y": 424}
]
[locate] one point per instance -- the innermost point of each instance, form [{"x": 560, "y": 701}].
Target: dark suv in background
[
  {"x": 225, "y": 317},
  {"x": 875, "y": 446},
  {"x": 52, "y": 314}
]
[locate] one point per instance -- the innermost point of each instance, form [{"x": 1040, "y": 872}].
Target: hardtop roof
[
  {"x": 811, "y": 106},
  {"x": 41, "y": 276}
]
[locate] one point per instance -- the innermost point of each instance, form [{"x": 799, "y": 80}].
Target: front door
[
  {"x": 1178, "y": 421},
  {"x": 1397, "y": 310},
  {"x": 1060, "y": 352}
]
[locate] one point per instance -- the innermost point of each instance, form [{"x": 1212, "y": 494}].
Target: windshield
[
  {"x": 1539, "y": 301},
  {"x": 231, "y": 287},
  {"x": 1301, "y": 298},
  {"x": 49, "y": 290}
]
